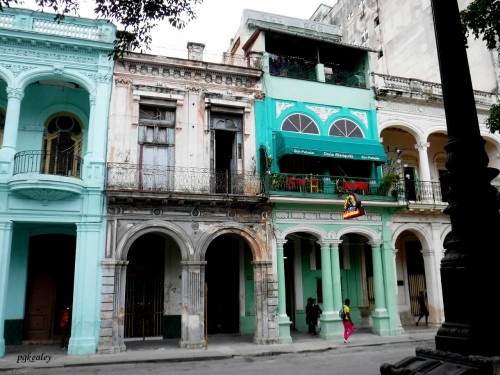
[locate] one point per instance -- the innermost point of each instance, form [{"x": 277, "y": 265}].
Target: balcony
[
  {"x": 181, "y": 183},
  {"x": 332, "y": 187},
  {"x": 414, "y": 194},
  {"x": 297, "y": 68},
  {"x": 46, "y": 176}
]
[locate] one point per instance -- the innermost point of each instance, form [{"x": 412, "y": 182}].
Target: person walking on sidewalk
[
  {"x": 347, "y": 321},
  {"x": 423, "y": 308}
]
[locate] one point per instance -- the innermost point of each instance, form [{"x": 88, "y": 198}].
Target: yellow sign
[{"x": 352, "y": 207}]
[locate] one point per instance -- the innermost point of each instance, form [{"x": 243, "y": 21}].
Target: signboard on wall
[{"x": 352, "y": 207}]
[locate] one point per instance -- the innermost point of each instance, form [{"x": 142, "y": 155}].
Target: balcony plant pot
[{"x": 388, "y": 182}]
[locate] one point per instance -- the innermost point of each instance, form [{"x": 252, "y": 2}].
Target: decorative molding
[
  {"x": 322, "y": 216},
  {"x": 15, "y": 93},
  {"x": 322, "y": 112},
  {"x": 362, "y": 116},
  {"x": 17, "y": 69},
  {"x": 281, "y": 106}
]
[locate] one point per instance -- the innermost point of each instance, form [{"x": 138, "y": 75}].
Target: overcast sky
[{"x": 216, "y": 24}]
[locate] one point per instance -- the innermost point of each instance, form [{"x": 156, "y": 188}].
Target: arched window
[
  {"x": 345, "y": 128},
  {"x": 62, "y": 146},
  {"x": 299, "y": 123}
]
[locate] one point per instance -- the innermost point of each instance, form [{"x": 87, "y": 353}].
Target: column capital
[
  {"x": 15, "y": 93},
  {"x": 375, "y": 243},
  {"x": 422, "y": 146}
]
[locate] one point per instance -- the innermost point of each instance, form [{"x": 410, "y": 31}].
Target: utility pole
[{"x": 466, "y": 342}]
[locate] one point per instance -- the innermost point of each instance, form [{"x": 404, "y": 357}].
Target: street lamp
[{"x": 465, "y": 343}]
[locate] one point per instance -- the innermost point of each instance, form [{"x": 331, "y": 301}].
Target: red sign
[{"x": 352, "y": 207}]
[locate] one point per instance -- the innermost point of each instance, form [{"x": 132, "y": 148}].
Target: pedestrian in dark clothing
[
  {"x": 310, "y": 317},
  {"x": 423, "y": 308},
  {"x": 316, "y": 314}
]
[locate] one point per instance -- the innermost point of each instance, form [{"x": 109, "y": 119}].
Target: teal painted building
[
  {"x": 55, "y": 87},
  {"x": 318, "y": 145}
]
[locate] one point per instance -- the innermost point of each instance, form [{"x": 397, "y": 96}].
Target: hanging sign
[{"x": 352, "y": 207}]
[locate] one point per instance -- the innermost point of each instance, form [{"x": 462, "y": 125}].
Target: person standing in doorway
[
  {"x": 317, "y": 313},
  {"x": 64, "y": 323},
  {"x": 423, "y": 308},
  {"x": 347, "y": 321},
  {"x": 310, "y": 317}
]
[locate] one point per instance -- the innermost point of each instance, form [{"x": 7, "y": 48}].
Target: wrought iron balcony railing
[
  {"x": 133, "y": 177},
  {"x": 36, "y": 161},
  {"x": 331, "y": 186}
]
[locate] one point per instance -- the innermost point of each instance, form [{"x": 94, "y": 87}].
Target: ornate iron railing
[
  {"x": 38, "y": 161},
  {"x": 133, "y": 177},
  {"x": 338, "y": 186}
]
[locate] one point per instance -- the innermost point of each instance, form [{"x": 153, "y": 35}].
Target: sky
[{"x": 216, "y": 23}]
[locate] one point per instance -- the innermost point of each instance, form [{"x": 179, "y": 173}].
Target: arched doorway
[
  {"x": 302, "y": 261},
  {"x": 51, "y": 270},
  {"x": 410, "y": 274},
  {"x": 356, "y": 274},
  {"x": 229, "y": 286},
  {"x": 153, "y": 295}
]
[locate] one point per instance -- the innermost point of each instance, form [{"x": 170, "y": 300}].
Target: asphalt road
[{"x": 343, "y": 361}]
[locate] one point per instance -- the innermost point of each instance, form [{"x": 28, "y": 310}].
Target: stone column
[
  {"x": 193, "y": 302},
  {"x": 378, "y": 281},
  {"x": 5, "y": 250},
  {"x": 283, "y": 319},
  {"x": 266, "y": 304},
  {"x": 330, "y": 321},
  {"x": 426, "y": 186},
  {"x": 11, "y": 129},
  {"x": 337, "y": 286},
  {"x": 85, "y": 315}
]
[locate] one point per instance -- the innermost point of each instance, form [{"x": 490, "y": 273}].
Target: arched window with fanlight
[
  {"x": 300, "y": 123},
  {"x": 345, "y": 128},
  {"x": 62, "y": 146}
]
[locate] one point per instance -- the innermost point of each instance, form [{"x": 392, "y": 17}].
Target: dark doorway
[
  {"x": 410, "y": 188},
  {"x": 224, "y": 145},
  {"x": 51, "y": 272},
  {"x": 144, "y": 288},
  {"x": 222, "y": 280}
]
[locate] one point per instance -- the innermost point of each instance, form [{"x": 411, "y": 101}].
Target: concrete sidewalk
[{"x": 219, "y": 347}]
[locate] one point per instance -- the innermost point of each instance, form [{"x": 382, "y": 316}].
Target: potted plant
[{"x": 388, "y": 181}]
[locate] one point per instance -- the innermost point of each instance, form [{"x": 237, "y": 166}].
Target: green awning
[{"x": 329, "y": 147}]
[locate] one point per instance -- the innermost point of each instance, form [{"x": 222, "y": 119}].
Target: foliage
[
  {"x": 493, "y": 122},
  {"x": 388, "y": 181},
  {"x": 135, "y": 19},
  {"x": 481, "y": 17}
]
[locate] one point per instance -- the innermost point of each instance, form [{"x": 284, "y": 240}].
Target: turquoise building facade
[
  {"x": 318, "y": 143},
  {"x": 55, "y": 87}
]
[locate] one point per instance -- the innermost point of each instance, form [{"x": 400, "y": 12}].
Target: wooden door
[{"x": 39, "y": 317}]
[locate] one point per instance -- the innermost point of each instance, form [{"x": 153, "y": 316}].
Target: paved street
[
  {"x": 365, "y": 351},
  {"x": 356, "y": 360}
]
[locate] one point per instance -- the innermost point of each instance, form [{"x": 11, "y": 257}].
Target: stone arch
[
  {"x": 26, "y": 78},
  {"x": 372, "y": 235},
  {"x": 7, "y": 75},
  {"x": 257, "y": 247},
  {"x": 63, "y": 107},
  {"x": 414, "y": 130},
  {"x": 154, "y": 226},
  {"x": 318, "y": 232},
  {"x": 418, "y": 230}
]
